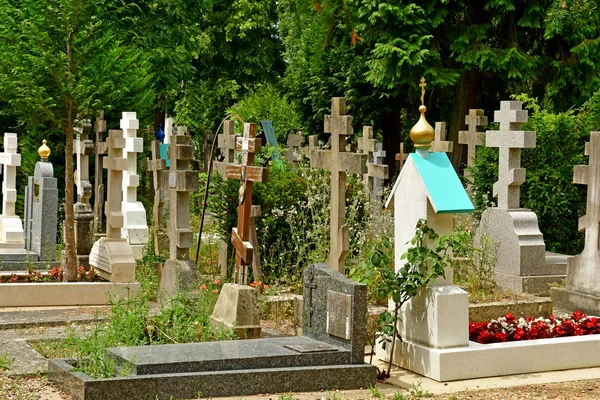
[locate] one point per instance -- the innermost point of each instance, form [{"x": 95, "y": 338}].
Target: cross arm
[
  {"x": 244, "y": 249},
  {"x": 252, "y": 173}
]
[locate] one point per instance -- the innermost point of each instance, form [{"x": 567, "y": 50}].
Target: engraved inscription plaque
[{"x": 339, "y": 314}]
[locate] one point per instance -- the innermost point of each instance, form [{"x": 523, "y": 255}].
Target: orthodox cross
[
  {"x": 246, "y": 173},
  {"x": 510, "y": 140},
  {"x": 226, "y": 143},
  {"x": 309, "y": 285},
  {"x": 82, "y": 148},
  {"x": 160, "y": 176},
  {"x": 401, "y": 157},
  {"x": 295, "y": 141},
  {"x": 376, "y": 171},
  {"x": 206, "y": 148},
  {"x": 115, "y": 163},
  {"x": 423, "y": 84},
  {"x": 474, "y": 135},
  {"x": 339, "y": 162},
  {"x": 100, "y": 151},
  {"x": 440, "y": 144},
  {"x": 590, "y": 175}
]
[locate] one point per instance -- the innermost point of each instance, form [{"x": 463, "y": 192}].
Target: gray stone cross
[
  {"x": 510, "y": 140},
  {"x": 339, "y": 162},
  {"x": 226, "y": 143},
  {"x": 82, "y": 148},
  {"x": 295, "y": 141},
  {"x": 440, "y": 144},
  {"x": 376, "y": 170},
  {"x": 115, "y": 163},
  {"x": 473, "y": 136}
]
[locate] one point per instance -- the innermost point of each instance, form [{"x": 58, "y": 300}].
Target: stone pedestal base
[
  {"x": 11, "y": 233},
  {"x": 135, "y": 227},
  {"x": 437, "y": 317},
  {"x": 113, "y": 260},
  {"x": 570, "y": 300},
  {"x": 521, "y": 265},
  {"x": 237, "y": 309},
  {"x": 177, "y": 275},
  {"x": 84, "y": 233}
]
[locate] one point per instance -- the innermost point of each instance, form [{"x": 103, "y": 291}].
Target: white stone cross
[
  {"x": 510, "y": 140},
  {"x": 226, "y": 143},
  {"x": 135, "y": 227},
  {"x": 82, "y": 148},
  {"x": 440, "y": 144},
  {"x": 339, "y": 162},
  {"x": 473, "y": 136},
  {"x": 11, "y": 227},
  {"x": 295, "y": 141},
  {"x": 376, "y": 170}
]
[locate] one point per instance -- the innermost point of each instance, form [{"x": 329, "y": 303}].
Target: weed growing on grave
[
  {"x": 333, "y": 396},
  {"x": 375, "y": 392},
  {"x": 286, "y": 396},
  {"x": 417, "y": 390},
  {"x": 5, "y": 361},
  {"x": 423, "y": 265},
  {"x": 399, "y": 396}
]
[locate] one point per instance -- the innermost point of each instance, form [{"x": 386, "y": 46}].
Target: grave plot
[{"x": 328, "y": 356}]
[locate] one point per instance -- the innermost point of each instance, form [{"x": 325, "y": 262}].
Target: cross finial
[{"x": 423, "y": 84}]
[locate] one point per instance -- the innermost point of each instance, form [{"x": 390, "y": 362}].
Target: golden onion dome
[
  {"x": 44, "y": 151},
  {"x": 422, "y": 133}
]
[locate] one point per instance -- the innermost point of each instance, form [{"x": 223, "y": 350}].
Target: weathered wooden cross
[
  {"x": 246, "y": 173},
  {"x": 160, "y": 175},
  {"x": 295, "y": 141},
  {"x": 510, "y": 140},
  {"x": 339, "y": 162},
  {"x": 401, "y": 157},
  {"x": 226, "y": 143},
  {"x": 376, "y": 171},
  {"x": 590, "y": 175},
  {"x": 440, "y": 144},
  {"x": 474, "y": 135}
]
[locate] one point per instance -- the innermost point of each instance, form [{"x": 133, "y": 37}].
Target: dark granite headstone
[{"x": 335, "y": 308}]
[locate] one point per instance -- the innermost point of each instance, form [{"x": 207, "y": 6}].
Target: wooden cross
[
  {"x": 440, "y": 144},
  {"x": 375, "y": 170},
  {"x": 401, "y": 157},
  {"x": 295, "y": 141},
  {"x": 510, "y": 140},
  {"x": 115, "y": 164},
  {"x": 100, "y": 151},
  {"x": 474, "y": 135},
  {"x": 182, "y": 182},
  {"x": 339, "y": 162},
  {"x": 246, "y": 173},
  {"x": 590, "y": 175},
  {"x": 226, "y": 143},
  {"x": 310, "y": 286}
]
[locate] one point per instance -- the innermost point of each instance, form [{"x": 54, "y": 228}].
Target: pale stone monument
[
  {"x": 583, "y": 270},
  {"x": 11, "y": 228},
  {"x": 84, "y": 216},
  {"x": 41, "y": 209},
  {"x": 179, "y": 272},
  {"x": 135, "y": 227},
  {"x": 440, "y": 144},
  {"x": 339, "y": 162},
  {"x": 376, "y": 170},
  {"x": 427, "y": 188},
  {"x": 521, "y": 265},
  {"x": 295, "y": 150},
  {"x": 474, "y": 136},
  {"x": 160, "y": 175},
  {"x": 100, "y": 152},
  {"x": 112, "y": 255}
]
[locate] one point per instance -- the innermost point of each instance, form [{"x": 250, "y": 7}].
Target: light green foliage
[
  {"x": 549, "y": 190},
  {"x": 399, "y": 396},
  {"x": 376, "y": 392},
  {"x": 5, "y": 361},
  {"x": 417, "y": 390},
  {"x": 286, "y": 396}
]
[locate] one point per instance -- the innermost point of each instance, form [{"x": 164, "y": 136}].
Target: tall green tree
[{"x": 62, "y": 60}]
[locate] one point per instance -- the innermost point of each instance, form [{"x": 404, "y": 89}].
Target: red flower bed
[{"x": 510, "y": 329}]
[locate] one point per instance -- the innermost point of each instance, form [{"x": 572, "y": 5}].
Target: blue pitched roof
[{"x": 446, "y": 192}]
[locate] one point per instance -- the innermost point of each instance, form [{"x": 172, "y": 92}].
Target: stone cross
[
  {"x": 206, "y": 148},
  {"x": 115, "y": 164},
  {"x": 226, "y": 143},
  {"x": 590, "y": 175},
  {"x": 135, "y": 227},
  {"x": 168, "y": 129},
  {"x": 339, "y": 162},
  {"x": 100, "y": 151},
  {"x": 440, "y": 144},
  {"x": 474, "y": 135},
  {"x": 376, "y": 171},
  {"x": 11, "y": 227},
  {"x": 401, "y": 157},
  {"x": 160, "y": 175},
  {"x": 246, "y": 173},
  {"x": 182, "y": 182},
  {"x": 295, "y": 141},
  {"x": 510, "y": 140},
  {"x": 82, "y": 148},
  {"x": 309, "y": 286}
]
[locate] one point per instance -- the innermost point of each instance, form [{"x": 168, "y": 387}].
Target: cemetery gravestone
[
  {"x": 179, "y": 272},
  {"x": 294, "y": 152},
  {"x": 582, "y": 291},
  {"x": 135, "y": 227},
  {"x": 401, "y": 157},
  {"x": 11, "y": 228},
  {"x": 440, "y": 144},
  {"x": 206, "y": 149},
  {"x": 83, "y": 212},
  {"x": 521, "y": 265},
  {"x": 376, "y": 170},
  {"x": 339, "y": 162},
  {"x": 100, "y": 152},
  {"x": 474, "y": 136},
  {"x": 160, "y": 180},
  {"x": 112, "y": 255},
  {"x": 41, "y": 208}
]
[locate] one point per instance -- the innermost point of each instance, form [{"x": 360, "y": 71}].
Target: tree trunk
[{"x": 392, "y": 135}]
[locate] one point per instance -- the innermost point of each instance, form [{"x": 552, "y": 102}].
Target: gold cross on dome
[{"x": 423, "y": 84}]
